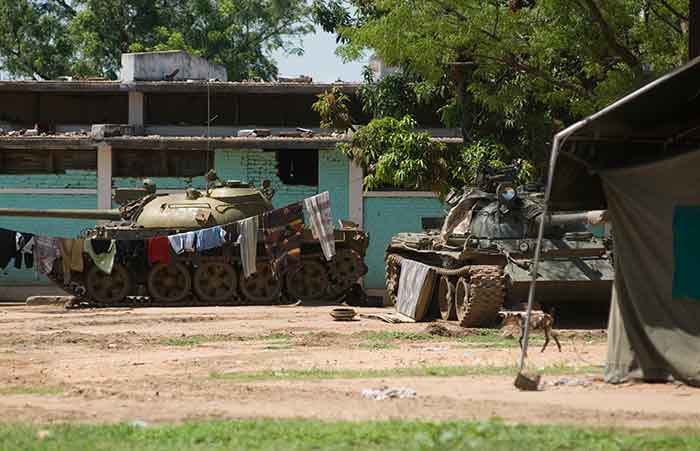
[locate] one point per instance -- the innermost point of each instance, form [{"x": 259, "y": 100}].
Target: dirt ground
[{"x": 160, "y": 364}]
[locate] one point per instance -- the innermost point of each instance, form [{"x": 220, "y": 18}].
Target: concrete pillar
[
  {"x": 355, "y": 201},
  {"x": 136, "y": 108},
  {"x": 104, "y": 176}
]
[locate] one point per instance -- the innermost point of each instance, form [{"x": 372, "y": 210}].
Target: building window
[
  {"x": 46, "y": 161},
  {"x": 161, "y": 163},
  {"x": 297, "y": 167}
]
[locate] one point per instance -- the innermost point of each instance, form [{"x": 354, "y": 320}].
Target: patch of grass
[
  {"x": 378, "y": 345},
  {"x": 421, "y": 371},
  {"x": 31, "y": 390},
  {"x": 481, "y": 338},
  {"x": 397, "y": 335},
  {"x": 274, "y": 336},
  {"x": 292, "y": 435},
  {"x": 193, "y": 340}
]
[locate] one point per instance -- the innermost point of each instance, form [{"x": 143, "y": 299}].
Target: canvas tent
[{"x": 640, "y": 158}]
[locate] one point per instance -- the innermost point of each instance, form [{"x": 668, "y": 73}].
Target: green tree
[
  {"x": 393, "y": 154},
  {"x": 87, "y": 37},
  {"x": 519, "y": 69},
  {"x": 333, "y": 107},
  {"x": 33, "y": 38}
]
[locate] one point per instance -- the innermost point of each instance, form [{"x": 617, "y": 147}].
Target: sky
[{"x": 319, "y": 61}]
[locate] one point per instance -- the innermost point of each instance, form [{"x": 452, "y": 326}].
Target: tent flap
[{"x": 655, "y": 318}]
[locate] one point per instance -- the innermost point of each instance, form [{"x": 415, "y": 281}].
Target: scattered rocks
[
  {"x": 43, "y": 434},
  {"x": 388, "y": 393},
  {"x": 569, "y": 382},
  {"x": 138, "y": 424}
]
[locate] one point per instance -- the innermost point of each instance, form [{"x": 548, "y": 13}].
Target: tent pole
[{"x": 556, "y": 145}]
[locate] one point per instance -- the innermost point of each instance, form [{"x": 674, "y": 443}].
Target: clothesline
[{"x": 282, "y": 231}]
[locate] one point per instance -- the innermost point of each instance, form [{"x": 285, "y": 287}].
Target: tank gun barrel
[
  {"x": 63, "y": 213},
  {"x": 593, "y": 217}
]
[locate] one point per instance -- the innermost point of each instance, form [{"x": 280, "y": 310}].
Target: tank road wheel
[
  {"x": 108, "y": 288},
  {"x": 261, "y": 287},
  {"x": 446, "y": 298},
  {"x": 169, "y": 283},
  {"x": 215, "y": 282},
  {"x": 479, "y": 297},
  {"x": 308, "y": 282},
  {"x": 348, "y": 267}
]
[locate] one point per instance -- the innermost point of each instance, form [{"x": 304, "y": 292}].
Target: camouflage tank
[
  {"x": 483, "y": 253},
  {"x": 215, "y": 277}
]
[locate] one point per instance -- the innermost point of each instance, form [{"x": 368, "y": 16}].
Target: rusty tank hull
[{"x": 213, "y": 277}]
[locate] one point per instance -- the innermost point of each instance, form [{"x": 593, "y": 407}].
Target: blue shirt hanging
[{"x": 210, "y": 238}]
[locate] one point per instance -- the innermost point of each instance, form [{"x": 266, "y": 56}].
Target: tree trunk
[{"x": 461, "y": 75}]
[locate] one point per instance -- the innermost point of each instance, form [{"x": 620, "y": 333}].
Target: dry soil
[{"x": 161, "y": 364}]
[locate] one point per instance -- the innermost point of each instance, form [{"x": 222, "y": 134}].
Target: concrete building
[{"x": 63, "y": 167}]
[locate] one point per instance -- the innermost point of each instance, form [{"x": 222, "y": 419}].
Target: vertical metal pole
[{"x": 538, "y": 248}]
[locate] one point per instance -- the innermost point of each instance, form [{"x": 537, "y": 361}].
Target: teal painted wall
[
  {"x": 44, "y": 226},
  {"x": 71, "y": 179},
  {"x": 254, "y": 166},
  {"x": 333, "y": 177},
  {"x": 386, "y": 216}
]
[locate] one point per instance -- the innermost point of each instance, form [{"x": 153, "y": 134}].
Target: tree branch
[
  {"x": 450, "y": 10},
  {"x": 674, "y": 11},
  {"x": 513, "y": 62},
  {"x": 665, "y": 20},
  {"x": 623, "y": 52}
]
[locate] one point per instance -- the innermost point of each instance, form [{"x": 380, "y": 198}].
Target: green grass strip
[
  {"x": 422, "y": 371},
  {"x": 31, "y": 390},
  {"x": 264, "y": 435}
]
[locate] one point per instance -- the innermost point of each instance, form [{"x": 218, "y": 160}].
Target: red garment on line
[{"x": 159, "y": 250}]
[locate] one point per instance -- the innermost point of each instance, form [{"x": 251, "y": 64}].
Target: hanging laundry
[
  {"x": 159, "y": 250},
  {"x": 182, "y": 242},
  {"x": 102, "y": 253},
  {"x": 318, "y": 208},
  {"x": 210, "y": 238},
  {"x": 71, "y": 256},
  {"x": 25, "y": 250},
  {"x": 248, "y": 243},
  {"x": 46, "y": 251},
  {"x": 8, "y": 247},
  {"x": 133, "y": 253},
  {"x": 282, "y": 229}
]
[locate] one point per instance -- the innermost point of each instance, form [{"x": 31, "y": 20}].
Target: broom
[{"x": 524, "y": 381}]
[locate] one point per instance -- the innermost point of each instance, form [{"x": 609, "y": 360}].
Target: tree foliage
[
  {"x": 519, "y": 69},
  {"x": 392, "y": 154},
  {"x": 333, "y": 107},
  {"x": 50, "y": 38}
]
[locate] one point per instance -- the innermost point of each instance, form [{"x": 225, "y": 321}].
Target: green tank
[
  {"x": 483, "y": 252},
  {"x": 216, "y": 277}
]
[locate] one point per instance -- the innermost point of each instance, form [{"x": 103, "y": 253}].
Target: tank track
[
  {"x": 486, "y": 284},
  {"x": 342, "y": 273},
  {"x": 486, "y": 296}
]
